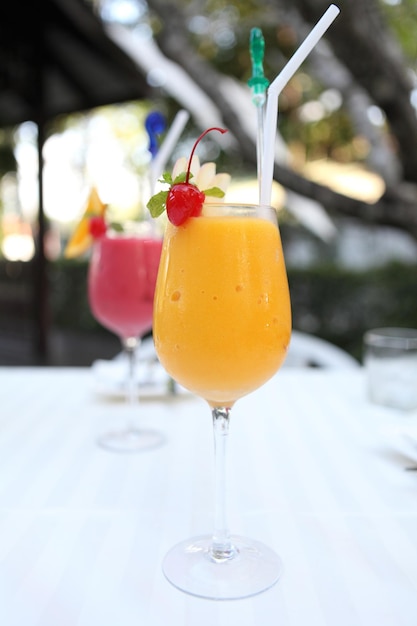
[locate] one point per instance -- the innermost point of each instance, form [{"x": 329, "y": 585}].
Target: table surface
[{"x": 316, "y": 472}]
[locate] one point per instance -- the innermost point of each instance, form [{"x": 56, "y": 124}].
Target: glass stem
[
  {"x": 221, "y": 548},
  {"x": 130, "y": 345}
]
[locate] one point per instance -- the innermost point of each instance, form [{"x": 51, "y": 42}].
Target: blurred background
[{"x": 75, "y": 90}]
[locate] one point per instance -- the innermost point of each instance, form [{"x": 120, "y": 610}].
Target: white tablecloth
[{"x": 316, "y": 472}]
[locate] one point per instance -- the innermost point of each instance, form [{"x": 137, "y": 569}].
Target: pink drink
[{"x": 121, "y": 282}]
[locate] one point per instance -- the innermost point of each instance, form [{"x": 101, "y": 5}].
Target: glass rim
[
  {"x": 140, "y": 229},
  {"x": 216, "y": 209},
  {"x": 237, "y": 204},
  {"x": 392, "y": 337}
]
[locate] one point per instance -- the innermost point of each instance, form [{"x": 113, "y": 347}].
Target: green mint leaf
[
  {"x": 166, "y": 178},
  {"x": 216, "y": 192},
  {"x": 181, "y": 178},
  {"x": 157, "y": 204},
  {"x": 117, "y": 227}
]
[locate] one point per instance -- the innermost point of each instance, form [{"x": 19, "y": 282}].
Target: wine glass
[
  {"x": 121, "y": 285},
  {"x": 222, "y": 325}
]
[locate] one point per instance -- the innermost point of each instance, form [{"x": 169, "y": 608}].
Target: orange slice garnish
[{"x": 81, "y": 239}]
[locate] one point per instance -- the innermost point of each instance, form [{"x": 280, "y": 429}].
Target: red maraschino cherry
[
  {"x": 185, "y": 200},
  {"x": 97, "y": 226}
]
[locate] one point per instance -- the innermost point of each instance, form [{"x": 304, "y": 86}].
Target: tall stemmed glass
[
  {"x": 121, "y": 285},
  {"x": 222, "y": 324}
]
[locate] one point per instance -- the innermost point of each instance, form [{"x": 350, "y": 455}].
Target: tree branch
[
  {"x": 397, "y": 207},
  {"x": 364, "y": 44}
]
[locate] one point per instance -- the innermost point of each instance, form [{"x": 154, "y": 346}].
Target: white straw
[
  {"x": 157, "y": 166},
  {"x": 275, "y": 89}
]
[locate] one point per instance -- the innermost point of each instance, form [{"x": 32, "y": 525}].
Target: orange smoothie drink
[{"x": 222, "y": 317}]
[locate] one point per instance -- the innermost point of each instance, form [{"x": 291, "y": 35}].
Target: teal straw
[{"x": 259, "y": 84}]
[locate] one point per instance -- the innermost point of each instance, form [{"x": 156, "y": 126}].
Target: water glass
[{"x": 390, "y": 359}]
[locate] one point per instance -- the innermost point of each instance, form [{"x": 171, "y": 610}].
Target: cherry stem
[{"x": 221, "y": 130}]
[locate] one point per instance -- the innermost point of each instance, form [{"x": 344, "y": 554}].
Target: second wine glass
[
  {"x": 222, "y": 325},
  {"x": 121, "y": 284}
]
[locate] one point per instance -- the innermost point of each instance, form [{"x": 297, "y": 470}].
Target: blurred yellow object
[{"x": 82, "y": 239}]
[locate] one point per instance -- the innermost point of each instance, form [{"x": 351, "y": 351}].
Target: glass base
[
  {"x": 130, "y": 440},
  {"x": 190, "y": 567}
]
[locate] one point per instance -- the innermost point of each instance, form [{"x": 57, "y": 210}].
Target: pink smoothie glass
[{"x": 121, "y": 284}]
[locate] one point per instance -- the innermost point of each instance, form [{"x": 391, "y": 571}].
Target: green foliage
[
  {"x": 224, "y": 42},
  {"x": 340, "y": 305},
  {"x": 337, "y": 305},
  {"x": 402, "y": 19},
  {"x": 7, "y": 158},
  {"x": 68, "y": 298}
]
